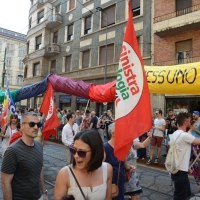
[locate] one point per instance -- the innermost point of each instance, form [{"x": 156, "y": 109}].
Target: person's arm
[
  {"x": 109, "y": 182},
  {"x": 128, "y": 167},
  {"x": 197, "y": 131},
  {"x": 64, "y": 137},
  {"x": 42, "y": 185},
  {"x": 6, "y": 185},
  {"x": 62, "y": 184},
  {"x": 145, "y": 143}
]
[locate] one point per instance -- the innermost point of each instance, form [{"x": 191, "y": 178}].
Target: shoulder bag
[{"x": 77, "y": 182}]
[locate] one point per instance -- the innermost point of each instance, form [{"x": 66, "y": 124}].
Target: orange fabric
[
  {"x": 102, "y": 93},
  {"x": 130, "y": 125},
  {"x": 15, "y": 137}
]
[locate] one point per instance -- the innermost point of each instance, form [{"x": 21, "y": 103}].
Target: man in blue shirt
[{"x": 196, "y": 133}]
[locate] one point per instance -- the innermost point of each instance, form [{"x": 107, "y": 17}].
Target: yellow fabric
[{"x": 177, "y": 79}]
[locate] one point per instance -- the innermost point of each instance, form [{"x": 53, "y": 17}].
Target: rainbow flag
[{"x": 5, "y": 109}]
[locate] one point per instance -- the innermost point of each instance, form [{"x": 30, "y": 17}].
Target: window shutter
[
  {"x": 70, "y": 29},
  {"x": 58, "y": 8},
  {"x": 67, "y": 63},
  {"x": 111, "y": 16},
  {"x": 53, "y": 67},
  {"x": 87, "y": 23},
  {"x": 183, "y": 46},
  {"x": 182, "y": 4},
  {"x": 38, "y": 40},
  {"x": 41, "y": 14},
  {"x": 135, "y": 4},
  {"x": 102, "y": 55},
  {"x": 71, "y": 4},
  {"x": 110, "y": 53},
  {"x": 85, "y": 59}
]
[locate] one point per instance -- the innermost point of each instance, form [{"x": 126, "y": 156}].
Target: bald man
[{"x": 94, "y": 120}]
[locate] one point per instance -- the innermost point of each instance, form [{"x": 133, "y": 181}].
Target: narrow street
[{"x": 156, "y": 183}]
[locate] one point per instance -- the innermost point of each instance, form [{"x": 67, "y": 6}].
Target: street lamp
[{"x": 105, "y": 70}]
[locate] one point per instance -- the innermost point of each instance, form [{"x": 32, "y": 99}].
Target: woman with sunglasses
[
  {"x": 93, "y": 175},
  {"x": 7, "y": 132}
]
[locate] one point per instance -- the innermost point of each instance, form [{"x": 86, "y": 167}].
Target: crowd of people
[{"x": 92, "y": 171}]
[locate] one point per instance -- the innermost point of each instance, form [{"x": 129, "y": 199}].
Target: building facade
[
  {"x": 71, "y": 38},
  {"x": 176, "y": 30},
  {"x": 15, "y": 45}
]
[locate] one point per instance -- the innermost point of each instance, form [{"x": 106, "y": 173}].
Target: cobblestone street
[{"x": 156, "y": 184}]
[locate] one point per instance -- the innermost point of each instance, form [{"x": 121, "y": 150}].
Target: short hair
[
  {"x": 26, "y": 114},
  {"x": 111, "y": 128},
  {"x": 69, "y": 115},
  {"x": 159, "y": 111},
  {"x": 87, "y": 111},
  {"x": 170, "y": 109},
  {"x": 30, "y": 110},
  {"x": 93, "y": 139},
  {"x": 181, "y": 117}
]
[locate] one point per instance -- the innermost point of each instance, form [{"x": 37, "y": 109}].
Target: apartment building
[
  {"x": 176, "y": 29},
  {"x": 15, "y": 45},
  {"x": 69, "y": 38}
]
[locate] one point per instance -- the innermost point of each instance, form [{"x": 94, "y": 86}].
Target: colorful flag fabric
[
  {"x": 48, "y": 107},
  {"x": 132, "y": 105},
  {"x": 12, "y": 108},
  {"x": 5, "y": 109}
]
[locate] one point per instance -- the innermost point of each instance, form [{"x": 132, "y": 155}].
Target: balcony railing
[
  {"x": 54, "y": 20},
  {"x": 178, "y": 61},
  {"x": 52, "y": 49},
  {"x": 177, "y": 13}
]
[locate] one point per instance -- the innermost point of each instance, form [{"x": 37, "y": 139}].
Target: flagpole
[{"x": 4, "y": 71}]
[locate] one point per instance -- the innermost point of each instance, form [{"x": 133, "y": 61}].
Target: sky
[{"x": 14, "y": 15}]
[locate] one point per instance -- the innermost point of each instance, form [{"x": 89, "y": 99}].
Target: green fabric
[{"x": 13, "y": 93}]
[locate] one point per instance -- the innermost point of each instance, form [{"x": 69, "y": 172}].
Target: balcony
[
  {"x": 25, "y": 60},
  {"x": 53, "y": 21},
  {"x": 177, "y": 22},
  {"x": 40, "y": 3},
  {"x": 178, "y": 61},
  {"x": 52, "y": 50}
]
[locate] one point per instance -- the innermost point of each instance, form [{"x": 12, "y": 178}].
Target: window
[
  {"x": 25, "y": 71},
  {"x": 111, "y": 16},
  {"x": 40, "y": 16},
  {"x": 184, "y": 51},
  {"x": 68, "y": 63},
  {"x": 55, "y": 37},
  {"x": 70, "y": 32},
  {"x": 27, "y": 47},
  {"x": 22, "y": 50},
  {"x": 36, "y": 67},
  {"x": 19, "y": 79},
  {"x": 85, "y": 59},
  {"x": 21, "y": 64},
  {"x": 30, "y": 22},
  {"x": 8, "y": 62},
  {"x": 183, "y": 7},
  {"x": 136, "y": 7},
  {"x": 53, "y": 67},
  {"x": 31, "y": 2},
  {"x": 71, "y": 4},
  {"x": 8, "y": 77},
  {"x": 38, "y": 42},
  {"x": 87, "y": 28},
  {"x": 110, "y": 54},
  {"x": 57, "y": 8},
  {"x": 10, "y": 49}
]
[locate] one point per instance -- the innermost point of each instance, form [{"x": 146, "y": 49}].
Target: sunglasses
[
  {"x": 32, "y": 124},
  {"x": 81, "y": 153}
]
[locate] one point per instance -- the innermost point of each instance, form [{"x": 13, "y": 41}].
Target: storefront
[
  {"x": 81, "y": 103},
  {"x": 183, "y": 104},
  {"x": 65, "y": 102}
]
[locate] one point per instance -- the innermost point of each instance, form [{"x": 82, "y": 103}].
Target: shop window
[
  {"x": 183, "y": 7},
  {"x": 110, "y": 54},
  {"x": 184, "y": 51},
  {"x": 68, "y": 60},
  {"x": 136, "y": 7},
  {"x": 111, "y": 16},
  {"x": 53, "y": 67}
]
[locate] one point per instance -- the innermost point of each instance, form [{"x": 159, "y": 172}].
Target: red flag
[
  {"x": 132, "y": 105},
  {"x": 48, "y": 107}
]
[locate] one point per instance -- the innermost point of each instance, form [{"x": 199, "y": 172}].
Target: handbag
[
  {"x": 115, "y": 189},
  {"x": 77, "y": 182}
]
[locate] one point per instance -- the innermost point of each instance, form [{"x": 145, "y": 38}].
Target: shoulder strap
[
  {"x": 77, "y": 182},
  {"x": 104, "y": 170},
  {"x": 118, "y": 173},
  {"x": 177, "y": 137}
]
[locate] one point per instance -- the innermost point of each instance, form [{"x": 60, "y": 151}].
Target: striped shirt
[{"x": 25, "y": 162}]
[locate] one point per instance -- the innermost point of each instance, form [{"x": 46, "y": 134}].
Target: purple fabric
[{"x": 70, "y": 86}]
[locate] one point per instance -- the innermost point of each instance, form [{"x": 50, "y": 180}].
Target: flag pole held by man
[{"x": 132, "y": 94}]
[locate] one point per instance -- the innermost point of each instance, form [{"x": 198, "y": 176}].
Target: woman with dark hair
[
  {"x": 16, "y": 135},
  {"x": 93, "y": 175},
  {"x": 7, "y": 131}
]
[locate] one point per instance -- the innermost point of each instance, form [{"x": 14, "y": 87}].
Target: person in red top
[{"x": 16, "y": 135}]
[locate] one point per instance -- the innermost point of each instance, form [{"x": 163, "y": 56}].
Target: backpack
[{"x": 171, "y": 162}]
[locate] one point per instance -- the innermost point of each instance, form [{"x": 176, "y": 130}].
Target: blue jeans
[{"x": 182, "y": 185}]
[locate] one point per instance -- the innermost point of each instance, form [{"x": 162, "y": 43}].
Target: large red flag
[
  {"x": 48, "y": 107},
  {"x": 132, "y": 105}
]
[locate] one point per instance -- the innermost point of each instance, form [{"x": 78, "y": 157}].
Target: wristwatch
[{"x": 46, "y": 191}]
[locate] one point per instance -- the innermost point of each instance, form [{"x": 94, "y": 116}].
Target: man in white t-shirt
[
  {"x": 159, "y": 128},
  {"x": 183, "y": 141},
  {"x": 68, "y": 133}
]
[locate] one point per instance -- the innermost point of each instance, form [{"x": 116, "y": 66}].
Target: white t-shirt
[
  {"x": 183, "y": 147},
  {"x": 159, "y": 123}
]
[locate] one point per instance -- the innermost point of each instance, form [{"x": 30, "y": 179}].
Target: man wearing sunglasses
[
  {"x": 22, "y": 173},
  {"x": 68, "y": 133}
]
